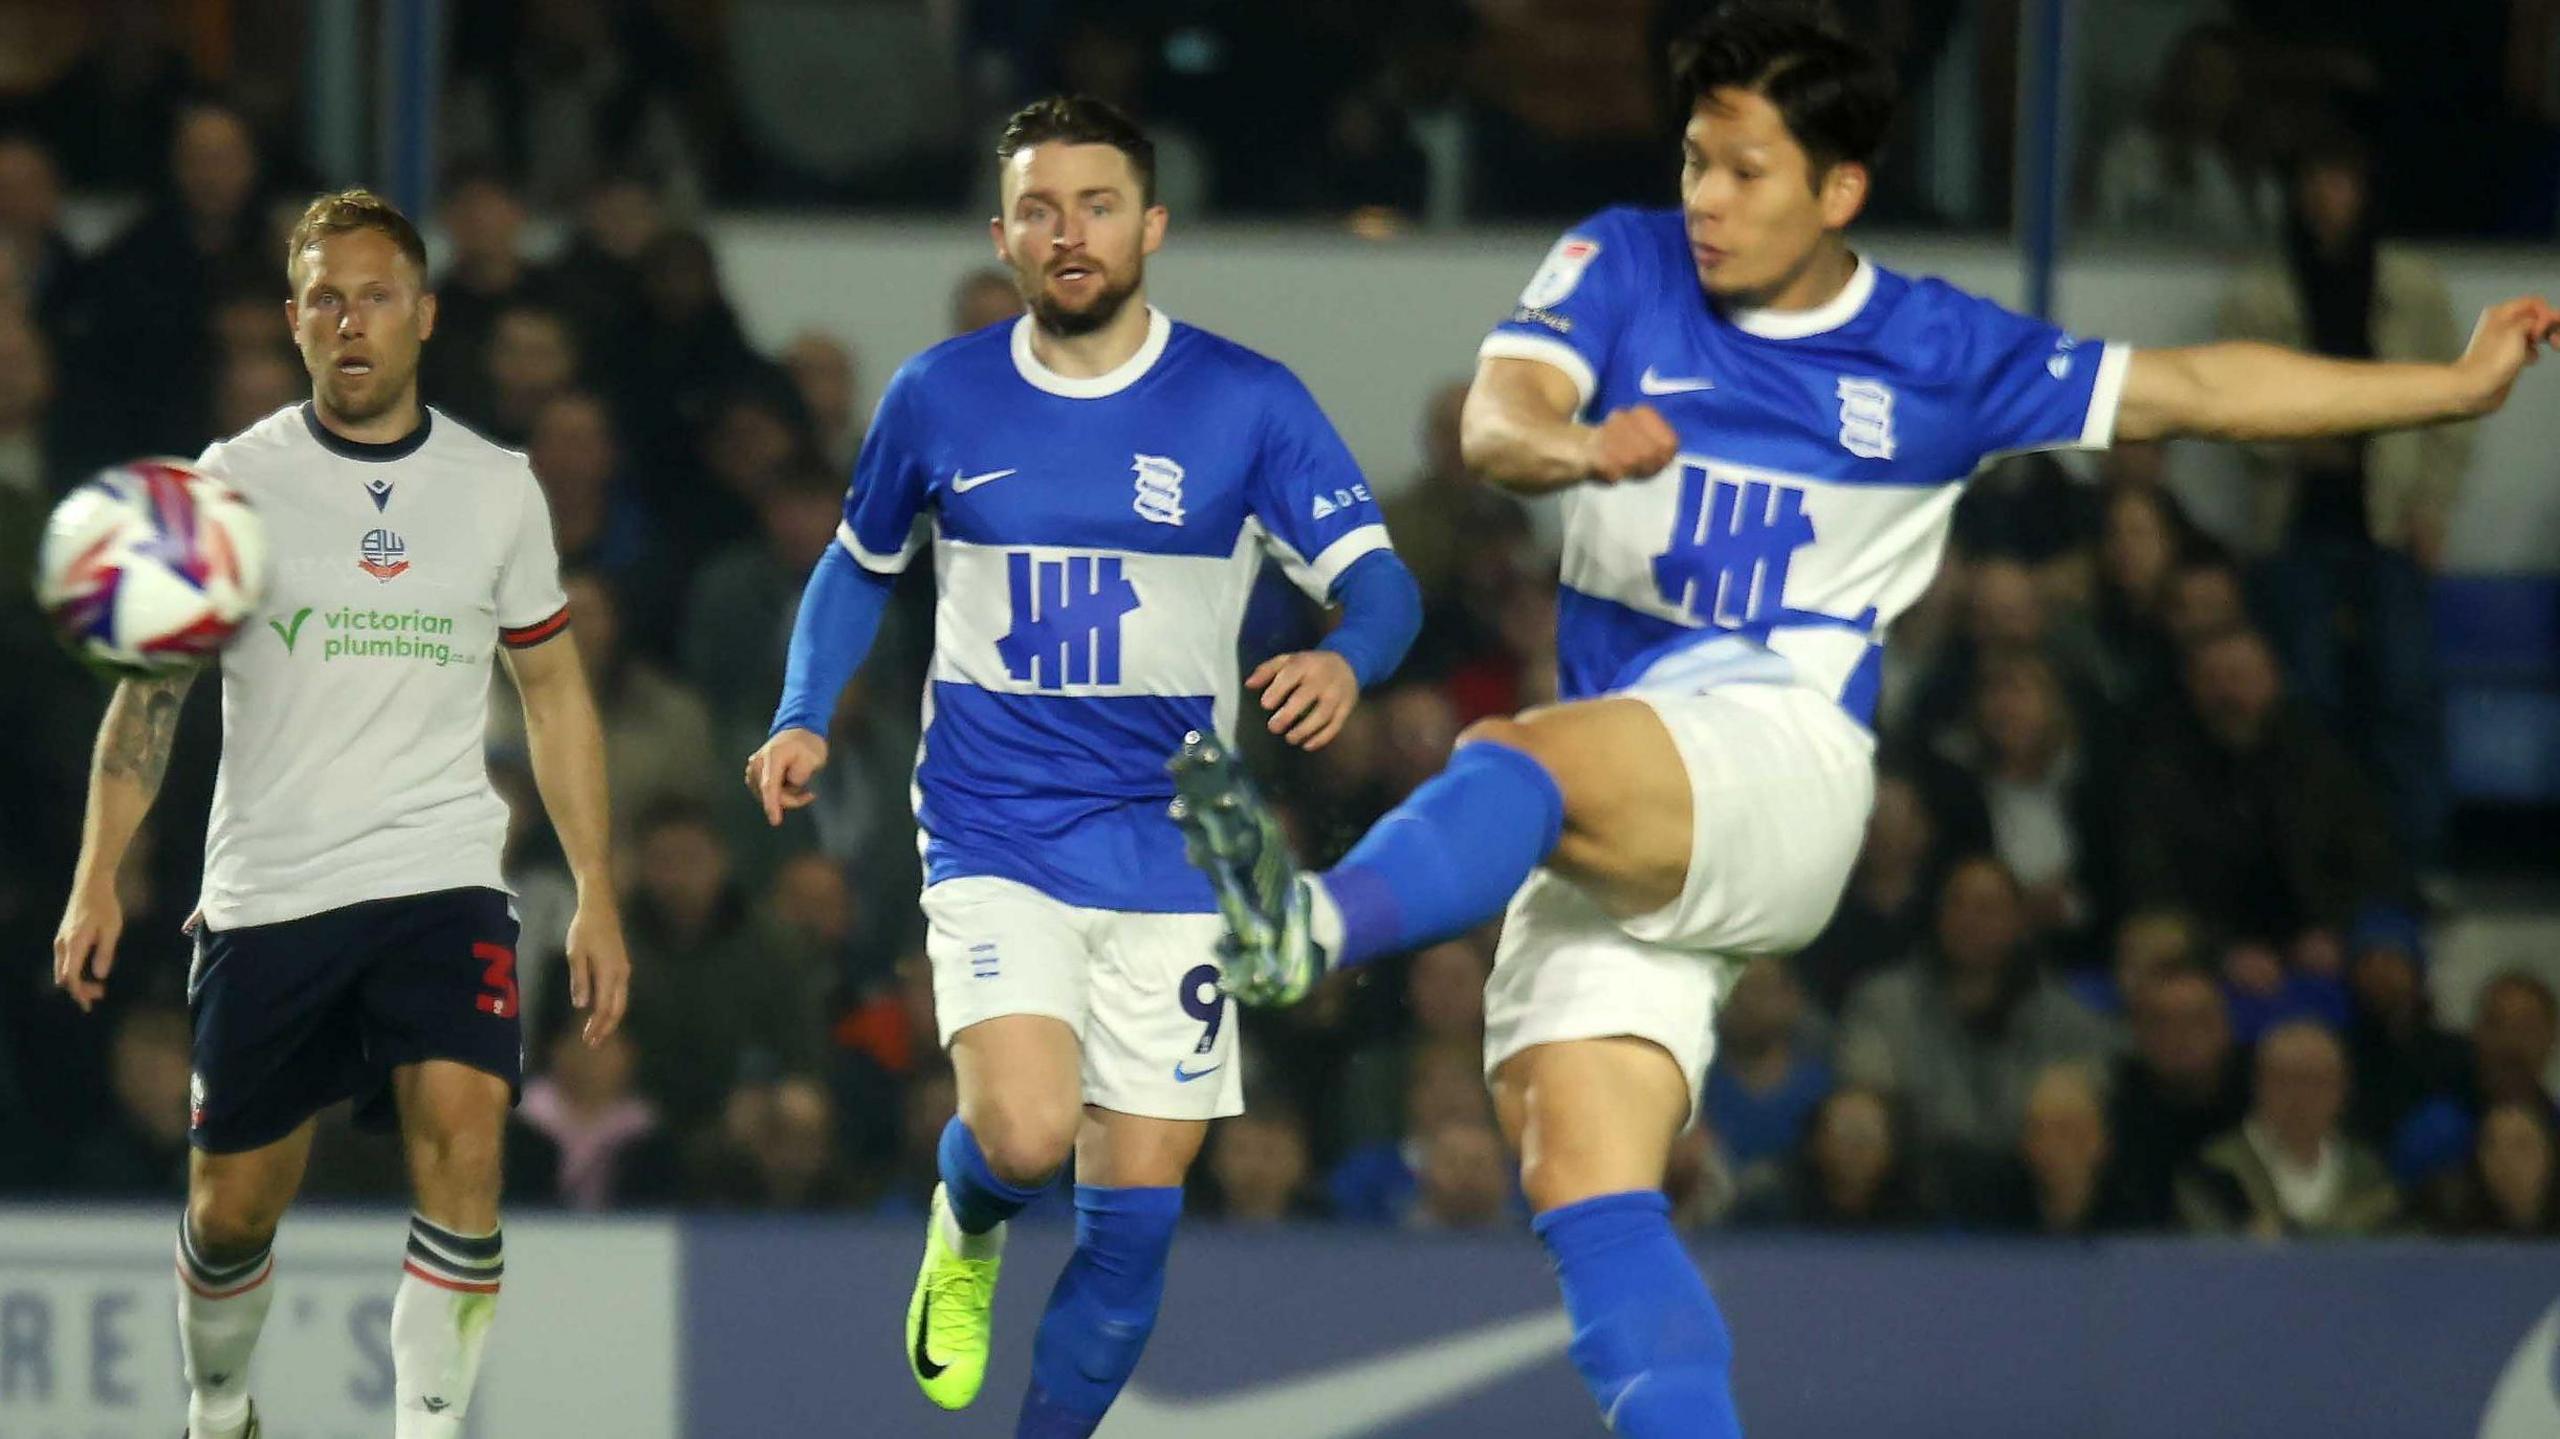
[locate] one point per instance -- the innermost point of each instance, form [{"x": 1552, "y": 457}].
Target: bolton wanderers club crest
[
  {"x": 1159, "y": 489},
  {"x": 383, "y": 555}
]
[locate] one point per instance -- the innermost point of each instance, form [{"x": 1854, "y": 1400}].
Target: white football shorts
[
  {"x": 1140, "y": 991},
  {"x": 1781, "y": 781}
]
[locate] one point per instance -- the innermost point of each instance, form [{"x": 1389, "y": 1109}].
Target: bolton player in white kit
[
  {"x": 354, "y": 937},
  {"x": 1102, "y": 485},
  {"x": 1761, "y": 437}
]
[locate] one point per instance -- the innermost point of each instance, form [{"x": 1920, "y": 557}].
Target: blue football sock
[
  {"x": 1646, "y": 1334},
  {"x": 980, "y": 1199},
  {"x": 1448, "y": 858},
  {"x": 1102, "y": 1310}
]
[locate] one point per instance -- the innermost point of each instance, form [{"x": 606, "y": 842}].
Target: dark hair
[
  {"x": 350, "y": 210},
  {"x": 1837, "y": 94},
  {"x": 1082, "y": 120}
]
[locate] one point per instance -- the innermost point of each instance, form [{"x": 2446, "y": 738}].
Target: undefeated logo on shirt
[
  {"x": 1066, "y": 620},
  {"x": 1731, "y": 548}
]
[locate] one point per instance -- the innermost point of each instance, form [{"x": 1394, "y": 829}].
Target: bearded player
[
  {"x": 355, "y": 938},
  {"x": 1102, "y": 485},
  {"x": 1760, "y": 436}
]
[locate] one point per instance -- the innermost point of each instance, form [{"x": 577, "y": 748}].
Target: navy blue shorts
[{"x": 294, "y": 1016}]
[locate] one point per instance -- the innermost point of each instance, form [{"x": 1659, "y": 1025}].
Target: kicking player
[
  {"x": 1103, "y": 485},
  {"x": 1761, "y": 436},
  {"x": 355, "y": 937}
]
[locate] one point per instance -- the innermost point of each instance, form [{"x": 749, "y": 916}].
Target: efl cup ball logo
[{"x": 150, "y": 566}]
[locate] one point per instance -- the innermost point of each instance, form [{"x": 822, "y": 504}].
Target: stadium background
[{"x": 684, "y": 243}]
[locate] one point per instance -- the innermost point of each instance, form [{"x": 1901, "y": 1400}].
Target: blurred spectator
[
  {"x": 2205, "y": 598},
  {"x": 2290, "y": 1169},
  {"x": 142, "y": 1152},
  {"x": 110, "y": 112},
  {"x": 2511, "y": 1189},
  {"x": 207, "y": 236},
  {"x": 982, "y": 298},
  {"x": 718, "y": 994},
  {"x": 1444, "y": 992},
  {"x": 2248, "y": 814},
  {"x": 2142, "y": 535},
  {"x": 775, "y": 1149},
  {"x": 485, "y": 272},
  {"x": 250, "y": 385},
  {"x": 2060, "y": 1180},
  {"x": 2180, "y": 1086},
  {"x": 1379, "y": 1182},
  {"x": 568, "y": 104},
  {"x": 2515, "y": 1028},
  {"x": 596, "y": 522},
  {"x": 1697, "y": 1181},
  {"x": 1439, "y": 514},
  {"x": 2005, "y": 611},
  {"x": 532, "y": 358},
  {"x": 2050, "y": 794},
  {"x": 1465, "y": 1180},
  {"x": 2189, "y": 170},
  {"x": 28, "y": 469},
  {"x": 857, "y": 102},
  {"x": 824, "y": 370},
  {"x": 925, "y": 1106},
  {"x": 1961, "y": 1030},
  {"x": 48, "y": 269},
  {"x": 707, "y": 491},
  {"x": 597, "y": 274},
  {"x": 656, "y": 731},
  {"x": 1259, "y": 1164},
  {"x": 1104, "y": 57},
  {"x": 684, "y": 346},
  {"x": 2149, "y": 944},
  {"x": 1885, "y": 910},
  {"x": 1852, "y": 1171},
  {"x": 2396, "y": 1054},
  {"x": 613, "y": 1152},
  {"x": 1767, "y": 1076},
  {"x": 2348, "y": 530},
  {"x": 737, "y": 624}
]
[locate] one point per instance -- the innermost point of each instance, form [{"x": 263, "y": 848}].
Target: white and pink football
[{"x": 151, "y": 566}]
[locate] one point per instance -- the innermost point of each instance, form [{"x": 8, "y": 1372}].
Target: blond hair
[{"x": 350, "y": 210}]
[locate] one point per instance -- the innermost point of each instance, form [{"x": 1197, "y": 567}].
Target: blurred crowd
[{"x": 2138, "y": 940}]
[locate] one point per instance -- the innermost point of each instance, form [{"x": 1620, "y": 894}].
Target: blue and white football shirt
[
  {"x": 1821, "y": 451},
  {"x": 1094, "y": 541}
]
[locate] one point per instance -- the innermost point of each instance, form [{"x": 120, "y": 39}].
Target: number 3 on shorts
[{"x": 498, "y": 980}]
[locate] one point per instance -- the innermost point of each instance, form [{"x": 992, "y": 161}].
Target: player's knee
[
  {"x": 456, "y": 1154},
  {"x": 226, "y": 1224},
  {"x": 1025, "y": 1142},
  {"x": 1502, "y": 730}
]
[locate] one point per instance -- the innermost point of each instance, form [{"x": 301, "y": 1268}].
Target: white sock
[
  {"x": 989, "y": 1245},
  {"x": 439, "y": 1325},
  {"x": 1324, "y": 918},
  {"x": 221, "y": 1308}
]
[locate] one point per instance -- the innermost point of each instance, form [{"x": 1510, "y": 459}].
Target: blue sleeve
[
  {"x": 839, "y": 617},
  {"x": 1381, "y": 613},
  {"x": 2037, "y": 387},
  {"x": 1314, "y": 504},
  {"x": 891, "y": 485},
  {"x": 1574, "y": 308}
]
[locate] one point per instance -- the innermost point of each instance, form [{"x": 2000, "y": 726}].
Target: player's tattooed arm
[{"x": 141, "y": 728}]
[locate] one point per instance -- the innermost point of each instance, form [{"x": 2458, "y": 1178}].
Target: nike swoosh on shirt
[
  {"x": 1653, "y": 384},
  {"x": 962, "y": 484},
  {"x": 1353, "y": 1401}
]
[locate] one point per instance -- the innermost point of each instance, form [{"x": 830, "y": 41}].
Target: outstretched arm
[
  {"x": 831, "y": 635},
  {"x": 125, "y": 770},
  {"x": 567, "y": 741},
  {"x": 2242, "y": 390},
  {"x": 1519, "y": 431}
]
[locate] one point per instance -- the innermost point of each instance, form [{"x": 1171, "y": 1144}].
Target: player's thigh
[
  {"x": 453, "y": 1124},
  {"x": 1626, "y": 837},
  {"x": 235, "y": 1200},
  {"x": 1161, "y": 1042},
  {"x": 1136, "y": 1151},
  {"x": 1009, "y": 997},
  {"x": 1590, "y": 1116}
]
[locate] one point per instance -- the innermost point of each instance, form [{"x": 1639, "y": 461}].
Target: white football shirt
[{"x": 355, "y": 700}]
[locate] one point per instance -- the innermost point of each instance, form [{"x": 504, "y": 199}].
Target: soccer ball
[{"x": 151, "y": 566}]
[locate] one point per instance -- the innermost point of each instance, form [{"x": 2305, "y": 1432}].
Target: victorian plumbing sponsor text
[{"x": 348, "y": 632}]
